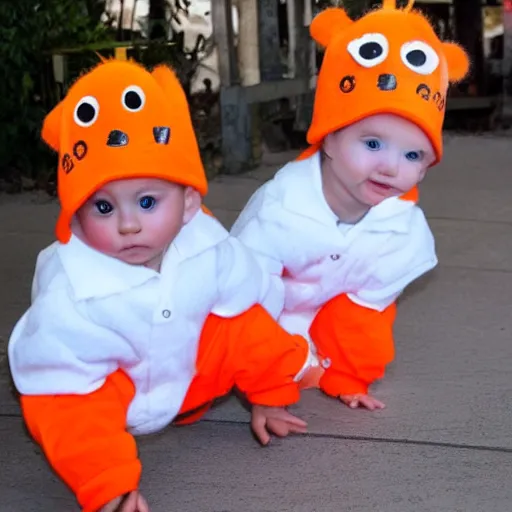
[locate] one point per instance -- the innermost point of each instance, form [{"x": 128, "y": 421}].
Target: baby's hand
[
  {"x": 361, "y": 400},
  {"x": 131, "y": 502},
  {"x": 276, "y": 420}
]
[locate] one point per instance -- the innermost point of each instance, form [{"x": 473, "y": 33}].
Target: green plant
[{"x": 29, "y": 31}]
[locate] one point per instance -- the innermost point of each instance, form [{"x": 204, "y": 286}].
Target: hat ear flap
[
  {"x": 328, "y": 23},
  {"x": 457, "y": 60},
  {"x": 51, "y": 127},
  {"x": 167, "y": 79}
]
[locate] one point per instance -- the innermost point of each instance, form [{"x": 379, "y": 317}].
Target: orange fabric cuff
[
  {"x": 85, "y": 440},
  {"x": 286, "y": 395},
  {"x": 108, "y": 485},
  {"x": 334, "y": 383}
]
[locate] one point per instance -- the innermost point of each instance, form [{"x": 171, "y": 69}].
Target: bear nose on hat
[
  {"x": 386, "y": 82},
  {"x": 118, "y": 138},
  {"x": 162, "y": 134}
]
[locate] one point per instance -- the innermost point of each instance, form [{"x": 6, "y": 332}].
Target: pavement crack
[
  {"x": 386, "y": 440},
  {"x": 364, "y": 439}
]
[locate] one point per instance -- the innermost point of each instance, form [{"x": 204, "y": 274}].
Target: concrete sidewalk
[{"x": 443, "y": 443}]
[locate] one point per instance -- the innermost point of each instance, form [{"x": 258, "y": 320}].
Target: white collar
[
  {"x": 303, "y": 195},
  {"x": 93, "y": 274}
]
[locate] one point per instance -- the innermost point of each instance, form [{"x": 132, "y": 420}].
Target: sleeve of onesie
[
  {"x": 74, "y": 402},
  {"x": 255, "y": 234},
  {"x": 401, "y": 260}
]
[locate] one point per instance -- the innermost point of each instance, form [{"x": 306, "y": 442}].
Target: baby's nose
[
  {"x": 129, "y": 224},
  {"x": 389, "y": 166}
]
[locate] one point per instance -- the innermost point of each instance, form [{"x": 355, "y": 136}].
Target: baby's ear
[
  {"x": 192, "y": 204},
  {"x": 457, "y": 60},
  {"x": 51, "y": 127},
  {"x": 326, "y": 24}
]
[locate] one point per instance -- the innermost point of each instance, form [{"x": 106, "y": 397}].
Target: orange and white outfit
[
  {"x": 108, "y": 350},
  {"x": 339, "y": 282}
]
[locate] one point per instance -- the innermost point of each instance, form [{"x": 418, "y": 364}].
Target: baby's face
[
  {"x": 378, "y": 157},
  {"x": 135, "y": 220}
]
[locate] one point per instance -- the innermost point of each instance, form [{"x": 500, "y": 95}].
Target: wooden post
[
  {"x": 304, "y": 62},
  {"x": 248, "y": 40},
  {"x": 291, "y": 19},
  {"x": 235, "y": 114},
  {"x": 60, "y": 74},
  {"x": 248, "y": 51},
  {"x": 302, "y": 40},
  {"x": 237, "y": 152},
  {"x": 308, "y": 18},
  {"x": 222, "y": 22},
  {"x": 271, "y": 69},
  {"x": 268, "y": 34}
]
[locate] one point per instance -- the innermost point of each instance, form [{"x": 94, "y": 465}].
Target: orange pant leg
[
  {"x": 358, "y": 341},
  {"x": 84, "y": 439},
  {"x": 250, "y": 351}
]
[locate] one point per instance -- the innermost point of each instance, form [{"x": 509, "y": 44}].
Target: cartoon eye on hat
[
  {"x": 369, "y": 50},
  {"x": 419, "y": 57},
  {"x": 133, "y": 98},
  {"x": 86, "y": 111}
]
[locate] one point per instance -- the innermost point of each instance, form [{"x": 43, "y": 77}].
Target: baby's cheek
[
  {"x": 410, "y": 179},
  {"x": 99, "y": 233}
]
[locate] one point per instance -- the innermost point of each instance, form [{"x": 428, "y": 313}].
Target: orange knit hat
[
  {"x": 120, "y": 121},
  {"x": 389, "y": 61}
]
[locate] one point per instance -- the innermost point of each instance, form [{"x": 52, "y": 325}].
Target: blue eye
[
  {"x": 413, "y": 156},
  {"x": 147, "y": 202},
  {"x": 104, "y": 207},
  {"x": 373, "y": 144}
]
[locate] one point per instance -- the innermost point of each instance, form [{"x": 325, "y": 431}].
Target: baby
[
  {"x": 339, "y": 230},
  {"x": 146, "y": 309}
]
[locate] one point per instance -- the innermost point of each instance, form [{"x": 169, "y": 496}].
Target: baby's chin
[
  {"x": 140, "y": 256},
  {"x": 375, "y": 201}
]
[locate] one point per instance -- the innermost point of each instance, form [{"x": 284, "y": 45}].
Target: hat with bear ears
[
  {"x": 120, "y": 121},
  {"x": 388, "y": 61}
]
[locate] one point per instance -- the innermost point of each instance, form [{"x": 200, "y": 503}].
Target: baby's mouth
[
  {"x": 383, "y": 186},
  {"x": 133, "y": 247}
]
